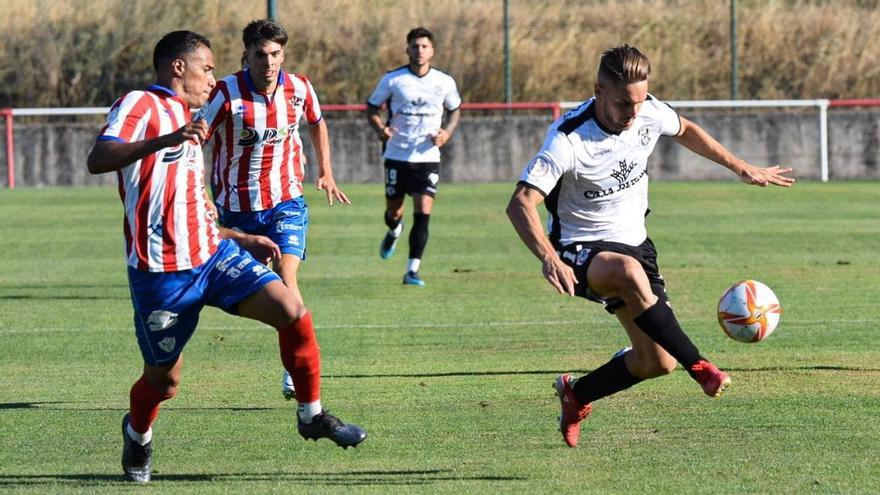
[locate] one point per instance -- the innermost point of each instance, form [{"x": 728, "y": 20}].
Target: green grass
[{"x": 453, "y": 381}]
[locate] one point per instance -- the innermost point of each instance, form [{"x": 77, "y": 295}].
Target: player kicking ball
[
  {"x": 591, "y": 173},
  {"x": 179, "y": 260}
]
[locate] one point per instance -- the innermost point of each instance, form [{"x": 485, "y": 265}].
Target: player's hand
[
  {"x": 442, "y": 137},
  {"x": 385, "y": 133},
  {"x": 764, "y": 176},
  {"x": 560, "y": 275},
  {"x": 261, "y": 247},
  {"x": 196, "y": 130},
  {"x": 327, "y": 184}
]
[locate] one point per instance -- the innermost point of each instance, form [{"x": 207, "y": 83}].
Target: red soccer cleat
[
  {"x": 713, "y": 380},
  {"x": 573, "y": 412}
]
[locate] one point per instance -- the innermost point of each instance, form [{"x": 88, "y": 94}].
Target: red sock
[
  {"x": 144, "y": 400},
  {"x": 301, "y": 357}
]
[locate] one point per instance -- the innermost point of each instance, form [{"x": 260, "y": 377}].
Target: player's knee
[
  {"x": 628, "y": 272},
  {"x": 166, "y": 385}
]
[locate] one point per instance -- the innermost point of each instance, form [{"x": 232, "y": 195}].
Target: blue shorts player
[
  {"x": 179, "y": 260},
  {"x": 253, "y": 119}
]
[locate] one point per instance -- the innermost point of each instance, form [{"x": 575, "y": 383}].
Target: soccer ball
[{"x": 748, "y": 311}]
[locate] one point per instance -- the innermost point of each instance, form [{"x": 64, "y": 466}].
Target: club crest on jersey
[
  {"x": 295, "y": 101},
  {"x": 644, "y": 135}
]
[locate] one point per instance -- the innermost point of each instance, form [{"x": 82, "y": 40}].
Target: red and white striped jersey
[
  {"x": 168, "y": 226},
  {"x": 258, "y": 157}
]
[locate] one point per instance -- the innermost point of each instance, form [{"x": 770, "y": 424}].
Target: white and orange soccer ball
[{"x": 748, "y": 311}]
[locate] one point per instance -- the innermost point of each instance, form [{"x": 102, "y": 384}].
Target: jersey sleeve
[
  {"x": 548, "y": 166},
  {"x": 127, "y": 118},
  {"x": 382, "y": 92},
  {"x": 216, "y": 109},
  {"x": 312, "y": 106},
  {"x": 452, "y": 100},
  {"x": 670, "y": 123}
]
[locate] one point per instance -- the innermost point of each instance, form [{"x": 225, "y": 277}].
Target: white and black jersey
[
  {"x": 415, "y": 104},
  {"x": 595, "y": 181}
]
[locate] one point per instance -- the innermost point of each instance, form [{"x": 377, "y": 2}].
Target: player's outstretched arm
[
  {"x": 110, "y": 156},
  {"x": 523, "y": 213},
  {"x": 321, "y": 141},
  {"x": 696, "y": 139}
]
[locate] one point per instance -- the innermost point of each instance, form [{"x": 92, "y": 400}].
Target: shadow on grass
[
  {"x": 74, "y": 406},
  {"x": 556, "y": 372},
  {"x": 350, "y": 478},
  {"x": 55, "y": 297}
]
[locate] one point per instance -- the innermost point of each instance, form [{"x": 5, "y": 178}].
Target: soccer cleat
[
  {"x": 137, "y": 459},
  {"x": 287, "y": 389},
  {"x": 573, "y": 412},
  {"x": 389, "y": 244},
  {"x": 412, "y": 278},
  {"x": 325, "y": 425},
  {"x": 713, "y": 380}
]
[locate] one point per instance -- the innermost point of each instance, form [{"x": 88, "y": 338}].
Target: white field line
[{"x": 403, "y": 326}]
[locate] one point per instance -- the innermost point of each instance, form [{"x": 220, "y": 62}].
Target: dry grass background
[{"x": 81, "y": 53}]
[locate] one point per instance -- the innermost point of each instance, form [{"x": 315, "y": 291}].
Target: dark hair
[
  {"x": 175, "y": 45},
  {"x": 257, "y": 33},
  {"x": 417, "y": 33},
  {"x": 624, "y": 65}
]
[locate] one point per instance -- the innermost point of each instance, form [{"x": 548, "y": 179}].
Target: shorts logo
[
  {"x": 293, "y": 240},
  {"x": 259, "y": 270},
  {"x": 582, "y": 256},
  {"x": 433, "y": 178},
  {"x": 538, "y": 167},
  {"x": 167, "y": 344},
  {"x": 390, "y": 191},
  {"x": 160, "y": 320}
]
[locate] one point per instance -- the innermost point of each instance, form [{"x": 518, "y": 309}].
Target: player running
[
  {"x": 257, "y": 176},
  {"x": 416, "y": 95},
  {"x": 591, "y": 173},
  {"x": 179, "y": 260}
]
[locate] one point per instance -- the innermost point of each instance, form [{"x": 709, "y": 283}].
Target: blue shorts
[
  {"x": 286, "y": 224},
  {"x": 167, "y": 305}
]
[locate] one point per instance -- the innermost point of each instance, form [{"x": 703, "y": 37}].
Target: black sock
[
  {"x": 390, "y": 222},
  {"x": 610, "y": 378},
  {"x": 418, "y": 235},
  {"x": 659, "y": 323}
]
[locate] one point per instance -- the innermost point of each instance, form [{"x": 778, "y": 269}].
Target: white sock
[
  {"x": 397, "y": 230},
  {"x": 140, "y": 438},
  {"x": 414, "y": 264},
  {"x": 308, "y": 410}
]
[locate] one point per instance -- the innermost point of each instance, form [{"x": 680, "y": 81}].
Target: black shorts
[
  {"x": 579, "y": 255},
  {"x": 411, "y": 178}
]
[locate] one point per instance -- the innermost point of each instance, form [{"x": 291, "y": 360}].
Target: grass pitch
[{"x": 452, "y": 381}]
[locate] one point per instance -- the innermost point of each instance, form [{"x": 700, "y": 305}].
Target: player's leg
[
  {"x": 288, "y": 267},
  {"x": 394, "y": 196},
  {"x": 422, "y": 184},
  {"x": 618, "y": 276},
  {"x": 166, "y": 311},
  {"x": 274, "y": 305},
  {"x": 418, "y": 237}
]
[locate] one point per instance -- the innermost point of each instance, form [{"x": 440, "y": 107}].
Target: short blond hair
[{"x": 623, "y": 65}]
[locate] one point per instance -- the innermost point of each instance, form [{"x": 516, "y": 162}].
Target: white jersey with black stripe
[
  {"x": 595, "y": 181},
  {"x": 415, "y": 104}
]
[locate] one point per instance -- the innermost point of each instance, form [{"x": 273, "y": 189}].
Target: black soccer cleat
[
  {"x": 137, "y": 459},
  {"x": 325, "y": 425}
]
